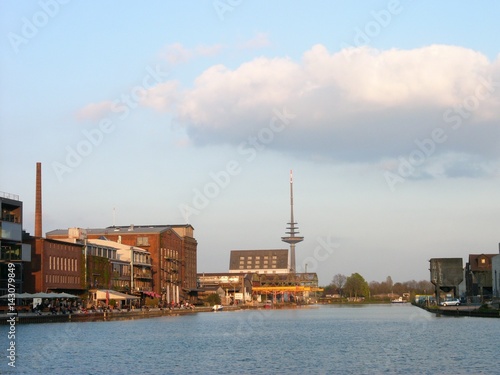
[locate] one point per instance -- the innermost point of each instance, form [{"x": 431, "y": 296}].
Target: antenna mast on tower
[{"x": 292, "y": 232}]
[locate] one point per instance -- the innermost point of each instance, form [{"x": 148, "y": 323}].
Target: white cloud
[
  {"x": 177, "y": 53},
  {"x": 356, "y": 105},
  {"x": 367, "y": 107},
  {"x": 94, "y": 111},
  {"x": 162, "y": 96},
  {"x": 260, "y": 40}
]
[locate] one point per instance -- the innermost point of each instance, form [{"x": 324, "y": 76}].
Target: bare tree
[{"x": 338, "y": 282}]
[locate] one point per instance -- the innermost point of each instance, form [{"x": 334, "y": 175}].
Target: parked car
[{"x": 451, "y": 302}]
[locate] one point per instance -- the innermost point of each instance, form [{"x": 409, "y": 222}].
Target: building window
[{"x": 142, "y": 241}]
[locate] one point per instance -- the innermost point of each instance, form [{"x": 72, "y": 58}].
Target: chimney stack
[{"x": 38, "y": 201}]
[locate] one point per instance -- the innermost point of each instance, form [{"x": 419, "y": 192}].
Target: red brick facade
[
  {"x": 173, "y": 254},
  {"x": 55, "y": 266}
]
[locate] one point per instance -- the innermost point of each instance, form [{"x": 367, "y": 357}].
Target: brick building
[
  {"x": 172, "y": 249},
  {"x": 478, "y": 274},
  {"x": 55, "y": 266}
]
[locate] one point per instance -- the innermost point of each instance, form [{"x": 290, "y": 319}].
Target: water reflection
[{"x": 364, "y": 339}]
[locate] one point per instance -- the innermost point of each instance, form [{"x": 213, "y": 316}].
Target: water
[{"x": 384, "y": 339}]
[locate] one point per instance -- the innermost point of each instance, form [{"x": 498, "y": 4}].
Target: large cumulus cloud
[{"x": 355, "y": 105}]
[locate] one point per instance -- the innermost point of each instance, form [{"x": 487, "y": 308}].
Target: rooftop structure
[{"x": 259, "y": 261}]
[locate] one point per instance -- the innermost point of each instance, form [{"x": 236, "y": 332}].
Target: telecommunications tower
[{"x": 292, "y": 232}]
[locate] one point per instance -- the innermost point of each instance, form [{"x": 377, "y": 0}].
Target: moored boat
[{"x": 217, "y": 308}]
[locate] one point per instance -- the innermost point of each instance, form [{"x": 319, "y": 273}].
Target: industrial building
[
  {"x": 172, "y": 250},
  {"x": 259, "y": 261}
]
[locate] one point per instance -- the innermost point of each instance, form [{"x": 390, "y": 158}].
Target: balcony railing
[{"x": 14, "y": 197}]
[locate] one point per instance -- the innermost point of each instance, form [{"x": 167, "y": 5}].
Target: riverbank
[
  {"x": 29, "y": 318},
  {"x": 463, "y": 310}
]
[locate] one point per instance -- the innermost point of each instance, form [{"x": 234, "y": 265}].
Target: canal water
[{"x": 368, "y": 339}]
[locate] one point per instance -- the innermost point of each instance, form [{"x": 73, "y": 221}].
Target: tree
[
  {"x": 356, "y": 286},
  {"x": 338, "y": 282},
  {"x": 213, "y": 299}
]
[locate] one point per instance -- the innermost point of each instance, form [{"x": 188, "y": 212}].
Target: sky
[{"x": 174, "y": 112}]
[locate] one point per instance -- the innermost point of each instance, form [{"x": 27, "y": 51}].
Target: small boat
[
  {"x": 398, "y": 300},
  {"x": 217, "y": 308}
]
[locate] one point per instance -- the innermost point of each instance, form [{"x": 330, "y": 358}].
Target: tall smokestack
[{"x": 38, "y": 201}]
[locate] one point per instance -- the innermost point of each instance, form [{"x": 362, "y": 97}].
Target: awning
[
  {"x": 152, "y": 294},
  {"x": 42, "y": 295},
  {"x": 18, "y": 295},
  {"x": 112, "y": 294}
]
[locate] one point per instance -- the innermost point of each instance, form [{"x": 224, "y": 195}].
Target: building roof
[
  {"x": 270, "y": 260},
  {"x": 123, "y": 251},
  {"x": 124, "y": 229},
  {"x": 476, "y": 264}
]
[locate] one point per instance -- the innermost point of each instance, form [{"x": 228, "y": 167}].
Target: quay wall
[
  {"x": 29, "y": 318},
  {"x": 474, "y": 312}
]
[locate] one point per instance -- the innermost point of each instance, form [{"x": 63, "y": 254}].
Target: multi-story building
[
  {"x": 131, "y": 267},
  {"x": 172, "y": 249},
  {"x": 259, "y": 261},
  {"x": 231, "y": 287},
  {"x": 56, "y": 266},
  {"x": 13, "y": 250},
  {"x": 478, "y": 275}
]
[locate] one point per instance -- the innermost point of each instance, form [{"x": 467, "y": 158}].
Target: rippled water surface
[{"x": 385, "y": 339}]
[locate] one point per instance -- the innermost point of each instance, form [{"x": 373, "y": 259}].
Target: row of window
[
  {"x": 100, "y": 251},
  {"x": 257, "y": 262},
  {"x": 258, "y": 257},
  {"x": 140, "y": 257},
  {"x": 62, "y": 264},
  {"x": 249, "y": 266},
  {"x": 62, "y": 279}
]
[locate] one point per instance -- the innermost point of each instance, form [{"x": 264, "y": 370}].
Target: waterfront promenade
[{"x": 89, "y": 316}]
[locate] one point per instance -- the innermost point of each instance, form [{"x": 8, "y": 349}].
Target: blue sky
[{"x": 164, "y": 112}]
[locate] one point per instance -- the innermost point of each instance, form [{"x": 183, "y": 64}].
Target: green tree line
[{"x": 356, "y": 286}]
